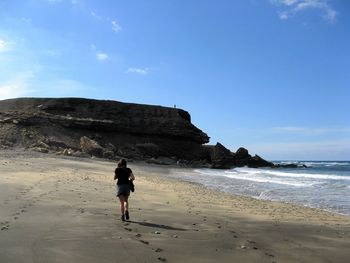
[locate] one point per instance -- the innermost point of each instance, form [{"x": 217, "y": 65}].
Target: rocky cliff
[{"x": 111, "y": 129}]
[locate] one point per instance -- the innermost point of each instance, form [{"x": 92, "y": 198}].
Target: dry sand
[{"x": 64, "y": 210}]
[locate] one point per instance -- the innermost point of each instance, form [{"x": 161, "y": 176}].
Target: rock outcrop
[
  {"x": 222, "y": 158},
  {"x": 110, "y": 129},
  {"x": 91, "y": 147}
]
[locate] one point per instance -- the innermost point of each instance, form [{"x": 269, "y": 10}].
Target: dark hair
[{"x": 122, "y": 163}]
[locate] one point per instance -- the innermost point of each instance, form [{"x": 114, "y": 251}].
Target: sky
[{"x": 272, "y": 76}]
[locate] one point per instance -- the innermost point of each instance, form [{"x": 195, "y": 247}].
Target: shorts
[{"x": 123, "y": 189}]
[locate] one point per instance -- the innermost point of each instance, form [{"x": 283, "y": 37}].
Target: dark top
[{"x": 123, "y": 174}]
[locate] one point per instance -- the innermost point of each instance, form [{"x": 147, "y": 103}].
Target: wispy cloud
[
  {"x": 23, "y": 85},
  {"x": 4, "y": 45},
  {"x": 140, "y": 71},
  {"x": 289, "y": 8},
  {"x": 116, "y": 27},
  {"x": 17, "y": 86},
  {"x": 93, "y": 14},
  {"x": 101, "y": 56}
]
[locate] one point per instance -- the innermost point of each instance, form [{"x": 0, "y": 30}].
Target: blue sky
[{"x": 269, "y": 75}]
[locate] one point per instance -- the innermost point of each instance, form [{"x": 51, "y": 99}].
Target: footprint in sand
[
  {"x": 144, "y": 242},
  {"x": 269, "y": 255},
  {"x": 5, "y": 225},
  {"x": 162, "y": 259}
]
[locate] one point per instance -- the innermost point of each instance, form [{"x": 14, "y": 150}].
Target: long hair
[{"x": 122, "y": 163}]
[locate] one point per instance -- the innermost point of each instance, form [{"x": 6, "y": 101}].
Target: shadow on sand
[{"x": 157, "y": 225}]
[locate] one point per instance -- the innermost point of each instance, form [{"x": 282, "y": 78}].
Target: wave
[
  {"x": 247, "y": 177},
  {"x": 317, "y": 163},
  {"x": 314, "y": 190},
  {"x": 289, "y": 174}
]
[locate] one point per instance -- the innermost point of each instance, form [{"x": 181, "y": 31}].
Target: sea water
[{"x": 324, "y": 185}]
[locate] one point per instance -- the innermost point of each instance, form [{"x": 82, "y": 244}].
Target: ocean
[{"x": 324, "y": 185}]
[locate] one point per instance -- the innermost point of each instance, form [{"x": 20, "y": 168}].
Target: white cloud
[
  {"x": 22, "y": 86},
  {"x": 283, "y": 15},
  {"x": 92, "y": 13},
  {"x": 17, "y": 86},
  {"x": 101, "y": 56},
  {"x": 140, "y": 71},
  {"x": 116, "y": 27},
  {"x": 4, "y": 46},
  {"x": 292, "y": 7}
]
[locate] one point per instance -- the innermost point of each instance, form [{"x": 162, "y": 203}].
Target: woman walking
[{"x": 124, "y": 177}]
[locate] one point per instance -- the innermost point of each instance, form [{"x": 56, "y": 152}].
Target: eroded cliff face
[
  {"x": 106, "y": 116},
  {"x": 112, "y": 129},
  {"x": 126, "y": 129}
]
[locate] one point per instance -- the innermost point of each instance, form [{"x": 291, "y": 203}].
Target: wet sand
[{"x": 64, "y": 210}]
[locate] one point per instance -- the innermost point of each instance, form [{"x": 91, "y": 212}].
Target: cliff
[{"x": 110, "y": 129}]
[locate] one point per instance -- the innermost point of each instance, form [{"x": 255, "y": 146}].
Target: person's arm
[
  {"x": 132, "y": 177},
  {"x": 115, "y": 175}
]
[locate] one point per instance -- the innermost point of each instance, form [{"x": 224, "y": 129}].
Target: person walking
[{"x": 124, "y": 177}]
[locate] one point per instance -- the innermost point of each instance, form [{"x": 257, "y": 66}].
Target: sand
[{"x": 55, "y": 209}]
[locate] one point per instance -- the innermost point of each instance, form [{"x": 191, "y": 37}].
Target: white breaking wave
[
  {"x": 328, "y": 164},
  {"x": 259, "y": 179},
  {"x": 291, "y": 175},
  {"x": 309, "y": 187}
]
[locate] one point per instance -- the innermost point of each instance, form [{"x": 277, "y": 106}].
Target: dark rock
[
  {"x": 257, "y": 161},
  {"x": 290, "y": 165},
  {"x": 221, "y": 157},
  {"x": 68, "y": 152},
  {"x": 108, "y": 154},
  {"x": 90, "y": 146},
  {"x": 40, "y": 144},
  {"x": 242, "y": 154}
]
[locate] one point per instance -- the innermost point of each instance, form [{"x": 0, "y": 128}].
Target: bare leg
[
  {"x": 122, "y": 204},
  {"x": 126, "y": 203}
]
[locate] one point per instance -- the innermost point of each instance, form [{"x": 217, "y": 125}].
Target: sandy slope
[{"x": 64, "y": 210}]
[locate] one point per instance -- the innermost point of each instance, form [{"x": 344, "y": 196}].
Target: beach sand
[{"x": 55, "y": 209}]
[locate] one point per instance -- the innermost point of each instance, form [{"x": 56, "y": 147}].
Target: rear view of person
[{"x": 124, "y": 176}]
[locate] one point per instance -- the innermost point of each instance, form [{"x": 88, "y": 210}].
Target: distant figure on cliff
[{"x": 124, "y": 177}]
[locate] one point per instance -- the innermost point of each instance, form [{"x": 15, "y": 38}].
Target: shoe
[
  {"x": 127, "y": 215},
  {"x": 122, "y": 218}
]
